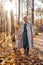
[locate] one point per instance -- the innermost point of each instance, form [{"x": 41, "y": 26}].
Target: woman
[{"x": 27, "y": 35}]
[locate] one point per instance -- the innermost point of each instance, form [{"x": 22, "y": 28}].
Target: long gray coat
[{"x": 30, "y": 34}]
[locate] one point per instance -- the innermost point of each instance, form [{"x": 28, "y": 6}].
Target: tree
[
  {"x": 18, "y": 11},
  {"x": 12, "y": 22},
  {"x": 33, "y": 11},
  {"x": 1, "y": 17},
  {"x": 27, "y": 6}
]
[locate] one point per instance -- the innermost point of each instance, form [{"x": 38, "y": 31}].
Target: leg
[{"x": 27, "y": 51}]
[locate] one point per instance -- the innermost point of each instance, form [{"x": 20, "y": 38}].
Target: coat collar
[{"x": 28, "y": 23}]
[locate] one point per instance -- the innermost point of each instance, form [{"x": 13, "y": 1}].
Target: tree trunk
[
  {"x": 33, "y": 11},
  {"x": 27, "y": 7},
  {"x": 12, "y": 22},
  {"x": 18, "y": 11}
]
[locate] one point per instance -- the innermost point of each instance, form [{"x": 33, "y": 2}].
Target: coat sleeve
[{"x": 32, "y": 29}]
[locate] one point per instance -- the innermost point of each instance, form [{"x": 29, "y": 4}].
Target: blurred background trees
[{"x": 13, "y": 11}]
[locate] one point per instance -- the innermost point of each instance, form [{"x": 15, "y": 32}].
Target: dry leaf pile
[{"x": 17, "y": 57}]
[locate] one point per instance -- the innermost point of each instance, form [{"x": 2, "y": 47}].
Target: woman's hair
[{"x": 24, "y": 17}]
